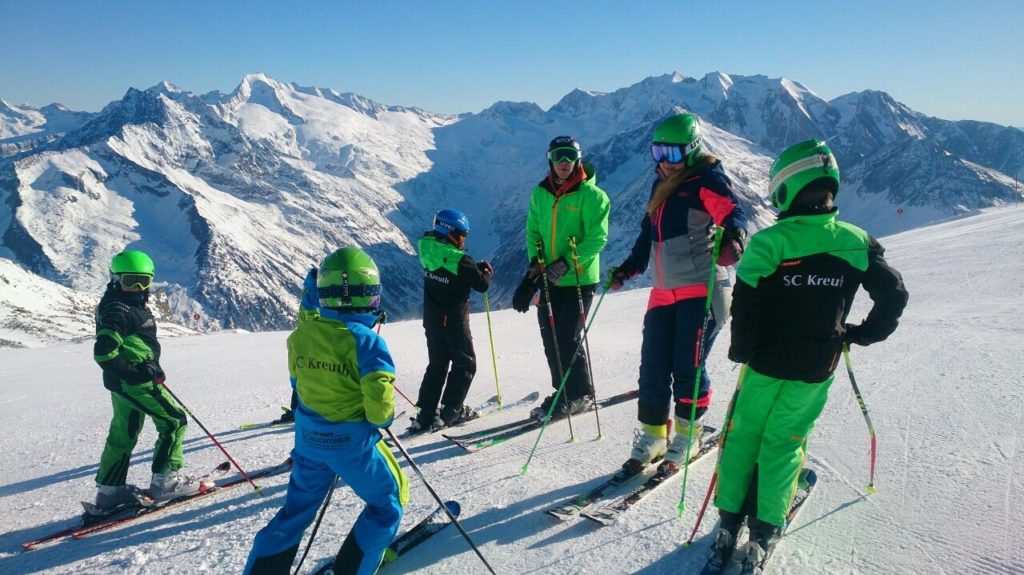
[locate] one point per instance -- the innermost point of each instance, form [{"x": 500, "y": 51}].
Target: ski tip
[{"x": 453, "y": 507}]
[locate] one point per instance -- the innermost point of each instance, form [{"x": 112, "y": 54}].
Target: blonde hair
[{"x": 665, "y": 187}]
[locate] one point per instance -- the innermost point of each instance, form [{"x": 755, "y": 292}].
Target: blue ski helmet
[{"x": 449, "y": 222}]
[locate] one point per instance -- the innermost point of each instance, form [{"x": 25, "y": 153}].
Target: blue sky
[{"x": 953, "y": 60}]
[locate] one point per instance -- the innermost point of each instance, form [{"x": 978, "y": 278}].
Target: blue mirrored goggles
[
  {"x": 670, "y": 153},
  {"x": 559, "y": 155}
]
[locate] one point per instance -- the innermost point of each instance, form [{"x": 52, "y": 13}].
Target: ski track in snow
[{"x": 944, "y": 393}]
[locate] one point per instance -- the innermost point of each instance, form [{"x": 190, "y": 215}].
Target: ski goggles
[
  {"x": 135, "y": 281},
  {"x": 672, "y": 153},
  {"x": 559, "y": 155}
]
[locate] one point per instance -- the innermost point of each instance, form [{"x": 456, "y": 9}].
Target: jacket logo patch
[
  {"x": 439, "y": 279},
  {"x": 303, "y": 362},
  {"x": 812, "y": 280}
]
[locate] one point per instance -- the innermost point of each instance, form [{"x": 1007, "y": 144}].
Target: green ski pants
[
  {"x": 771, "y": 421},
  {"x": 131, "y": 406}
]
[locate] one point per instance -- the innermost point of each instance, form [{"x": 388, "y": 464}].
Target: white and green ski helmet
[
  {"x": 800, "y": 165},
  {"x": 348, "y": 279}
]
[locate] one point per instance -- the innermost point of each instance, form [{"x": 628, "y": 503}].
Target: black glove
[
  {"x": 733, "y": 241},
  {"x": 524, "y": 294},
  {"x": 556, "y": 269},
  {"x": 618, "y": 275},
  {"x": 146, "y": 371},
  {"x": 484, "y": 267},
  {"x": 855, "y": 335},
  {"x": 382, "y": 316}
]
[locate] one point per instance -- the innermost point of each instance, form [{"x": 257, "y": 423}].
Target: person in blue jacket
[{"x": 343, "y": 375}]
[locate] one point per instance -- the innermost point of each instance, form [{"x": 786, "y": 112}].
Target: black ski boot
[
  {"x": 453, "y": 416},
  {"x": 763, "y": 537},
  {"x": 729, "y": 527}
]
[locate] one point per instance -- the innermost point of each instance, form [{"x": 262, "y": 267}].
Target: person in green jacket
[
  {"x": 128, "y": 352},
  {"x": 796, "y": 283},
  {"x": 566, "y": 209}
]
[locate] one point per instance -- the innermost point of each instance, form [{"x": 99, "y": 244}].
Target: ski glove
[
  {"x": 856, "y": 334},
  {"x": 556, "y": 269},
  {"x": 524, "y": 294},
  {"x": 618, "y": 276},
  {"x": 732, "y": 246},
  {"x": 484, "y": 267},
  {"x": 146, "y": 371}
]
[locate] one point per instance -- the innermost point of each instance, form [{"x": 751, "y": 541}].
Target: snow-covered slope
[
  {"x": 944, "y": 394},
  {"x": 236, "y": 195}
]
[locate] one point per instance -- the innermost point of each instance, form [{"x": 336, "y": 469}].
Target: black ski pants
[
  {"x": 565, "y": 307},
  {"x": 451, "y": 363}
]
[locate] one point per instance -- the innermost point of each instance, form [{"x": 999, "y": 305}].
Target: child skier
[
  {"x": 796, "y": 284},
  {"x": 448, "y": 275},
  {"x": 344, "y": 377},
  {"x": 128, "y": 352}
]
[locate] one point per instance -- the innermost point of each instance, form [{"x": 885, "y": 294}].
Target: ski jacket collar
[
  {"x": 809, "y": 211},
  {"x": 583, "y": 173},
  {"x": 367, "y": 319},
  {"x": 134, "y": 299}
]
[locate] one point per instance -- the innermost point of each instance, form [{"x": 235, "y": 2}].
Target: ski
[
  {"x": 407, "y": 541},
  {"x": 486, "y": 408},
  {"x": 572, "y": 508},
  {"x": 808, "y": 479},
  {"x": 92, "y": 515},
  {"x": 609, "y": 513},
  {"x": 206, "y": 481},
  {"x": 283, "y": 467},
  {"x": 94, "y": 524},
  {"x": 496, "y": 435}
]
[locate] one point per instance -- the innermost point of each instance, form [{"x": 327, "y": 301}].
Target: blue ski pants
[
  {"x": 668, "y": 361},
  {"x": 355, "y": 452}
]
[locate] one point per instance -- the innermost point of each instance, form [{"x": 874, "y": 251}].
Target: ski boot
[
  {"x": 423, "y": 423},
  {"x": 648, "y": 445},
  {"x": 763, "y": 537},
  {"x": 724, "y": 546},
  {"x": 111, "y": 498},
  {"x": 452, "y": 416},
  {"x": 541, "y": 411},
  {"x": 677, "y": 455},
  {"x": 172, "y": 485}
]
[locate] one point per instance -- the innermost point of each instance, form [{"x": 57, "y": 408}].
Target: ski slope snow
[{"x": 945, "y": 394}]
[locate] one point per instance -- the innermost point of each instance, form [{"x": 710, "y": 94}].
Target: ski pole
[
  {"x": 316, "y": 526},
  {"x": 554, "y": 340},
  {"x": 163, "y": 384},
  {"x": 721, "y": 450},
  {"x": 699, "y": 360},
  {"x": 864, "y": 410},
  {"x": 490, "y": 333},
  {"x": 572, "y": 361},
  {"x": 583, "y": 322},
  {"x": 436, "y": 497},
  {"x": 381, "y": 320}
]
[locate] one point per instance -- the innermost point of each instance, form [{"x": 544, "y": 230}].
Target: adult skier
[
  {"x": 795, "y": 286},
  {"x": 691, "y": 195},
  {"x": 344, "y": 377},
  {"x": 566, "y": 206},
  {"x": 128, "y": 352},
  {"x": 448, "y": 276}
]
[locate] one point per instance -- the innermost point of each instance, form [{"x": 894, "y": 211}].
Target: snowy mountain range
[{"x": 237, "y": 195}]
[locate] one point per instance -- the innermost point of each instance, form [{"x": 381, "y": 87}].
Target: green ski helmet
[
  {"x": 798, "y": 166},
  {"x": 678, "y": 139},
  {"x": 132, "y": 262},
  {"x": 132, "y": 269},
  {"x": 348, "y": 279}
]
